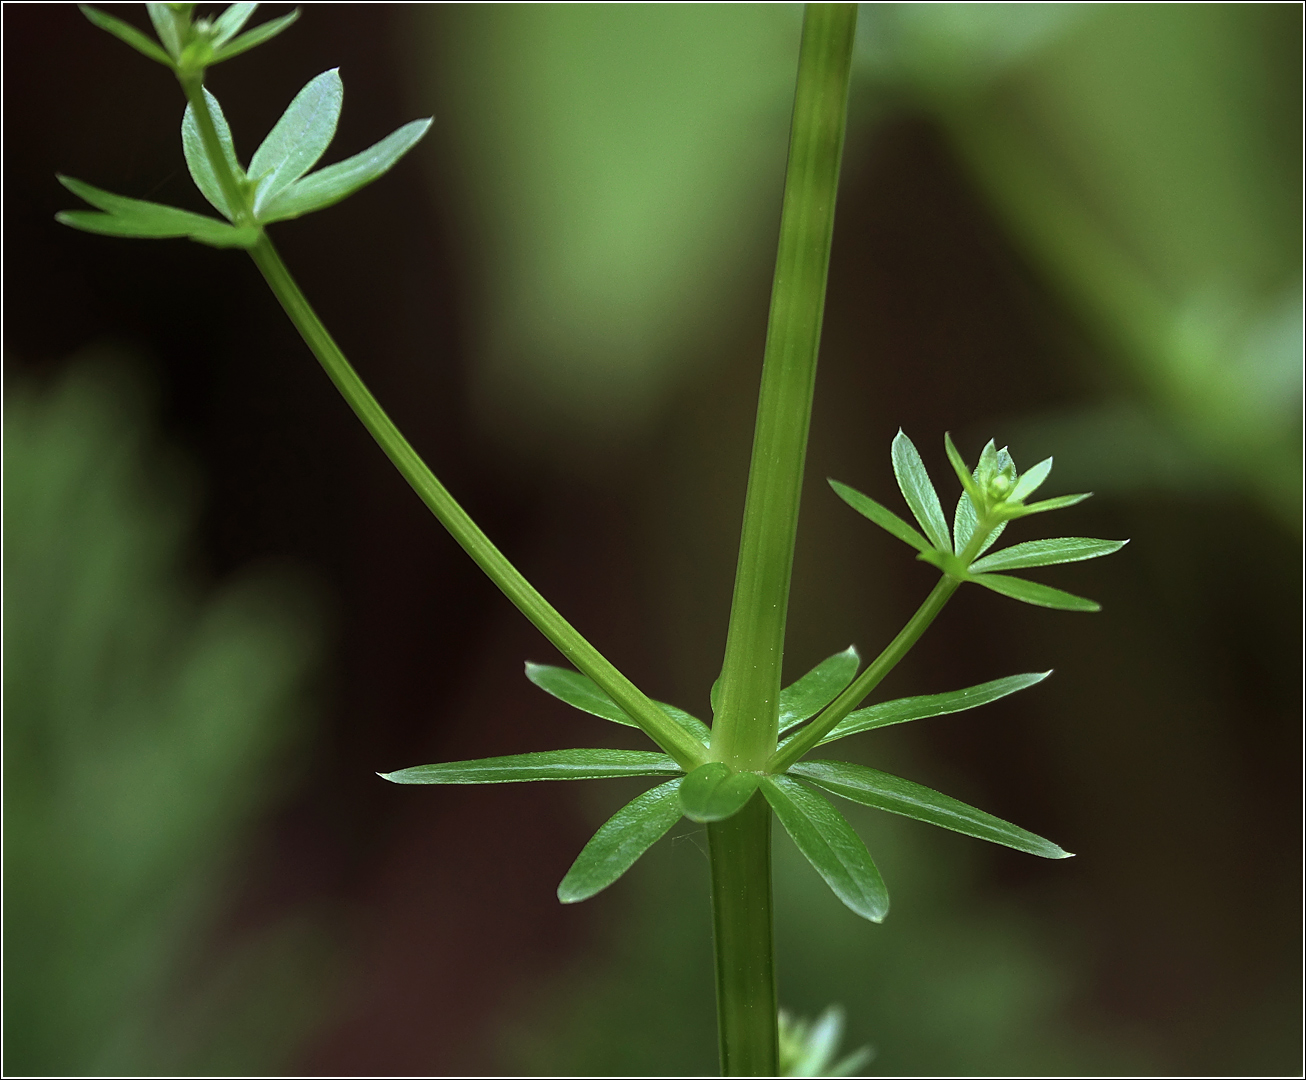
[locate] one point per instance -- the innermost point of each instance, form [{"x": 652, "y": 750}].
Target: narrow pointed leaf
[
  {"x": 621, "y": 840},
  {"x": 1047, "y": 553},
  {"x": 543, "y": 765},
  {"x": 919, "y": 492},
  {"x": 882, "y": 516},
  {"x": 126, "y": 32},
  {"x": 870, "y": 787},
  {"x": 228, "y": 24},
  {"x": 714, "y": 792},
  {"x": 165, "y": 26},
  {"x": 1031, "y": 480},
  {"x": 147, "y": 220},
  {"x": 987, "y": 467},
  {"x": 1058, "y": 503},
  {"x": 964, "y": 474},
  {"x": 251, "y": 38},
  {"x": 922, "y": 707},
  {"x": 805, "y": 698},
  {"x": 328, "y": 186},
  {"x": 1031, "y": 592},
  {"x": 197, "y": 158},
  {"x": 298, "y": 139},
  {"x": 581, "y": 692},
  {"x": 824, "y": 836},
  {"x": 964, "y": 522}
]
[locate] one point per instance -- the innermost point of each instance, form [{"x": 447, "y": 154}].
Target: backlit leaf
[
  {"x": 126, "y": 32},
  {"x": 583, "y": 693},
  {"x": 882, "y": 516},
  {"x": 1031, "y": 480},
  {"x": 228, "y": 24},
  {"x": 919, "y": 492},
  {"x": 1031, "y": 592},
  {"x": 1058, "y": 503},
  {"x": 148, "y": 220},
  {"x": 1047, "y": 553},
  {"x": 901, "y": 710},
  {"x": 714, "y": 792},
  {"x": 824, "y": 836},
  {"x": 621, "y": 840},
  {"x": 870, "y": 787},
  {"x": 197, "y": 158},
  {"x": 328, "y": 186},
  {"x": 806, "y": 697},
  {"x": 251, "y": 38},
  {"x": 542, "y": 765},
  {"x": 298, "y": 139}
]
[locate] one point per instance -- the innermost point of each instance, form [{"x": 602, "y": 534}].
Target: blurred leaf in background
[
  {"x": 1147, "y": 158},
  {"x": 146, "y": 724}
]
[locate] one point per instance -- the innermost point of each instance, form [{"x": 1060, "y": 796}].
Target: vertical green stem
[
  {"x": 745, "y": 724},
  {"x": 742, "y": 932},
  {"x": 744, "y": 731}
]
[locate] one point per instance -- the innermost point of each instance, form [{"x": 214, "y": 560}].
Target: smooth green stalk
[
  {"x": 746, "y": 722},
  {"x": 743, "y": 934},
  {"x": 745, "y": 727},
  {"x": 687, "y": 752}
]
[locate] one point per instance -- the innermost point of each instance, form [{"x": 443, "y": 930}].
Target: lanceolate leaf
[
  {"x": 544, "y": 765},
  {"x": 228, "y": 24},
  {"x": 959, "y": 467},
  {"x": 870, "y": 787},
  {"x": 298, "y": 139},
  {"x": 621, "y": 840},
  {"x": 1031, "y": 480},
  {"x": 251, "y": 38},
  {"x": 824, "y": 836},
  {"x": 714, "y": 792},
  {"x": 148, "y": 220},
  {"x": 919, "y": 492},
  {"x": 963, "y": 526},
  {"x": 128, "y": 33},
  {"x": 165, "y": 26},
  {"x": 328, "y": 186},
  {"x": 1054, "y": 504},
  {"x": 1047, "y": 552},
  {"x": 882, "y": 516},
  {"x": 1031, "y": 592},
  {"x": 805, "y": 698},
  {"x": 197, "y": 158},
  {"x": 583, "y": 693},
  {"x": 902, "y": 710}
]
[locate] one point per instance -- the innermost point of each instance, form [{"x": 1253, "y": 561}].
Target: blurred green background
[{"x": 1075, "y": 228}]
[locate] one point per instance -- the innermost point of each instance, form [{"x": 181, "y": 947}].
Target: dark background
[{"x": 1165, "y": 750}]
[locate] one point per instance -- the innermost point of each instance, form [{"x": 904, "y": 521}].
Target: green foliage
[
  {"x": 624, "y": 837},
  {"x": 135, "y": 217},
  {"x": 828, "y": 842},
  {"x": 191, "y": 45},
  {"x": 811, "y": 1048},
  {"x": 545, "y": 765},
  {"x": 714, "y": 792},
  {"x": 144, "y": 723}
]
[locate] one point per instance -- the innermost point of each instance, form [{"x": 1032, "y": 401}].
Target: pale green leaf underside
[
  {"x": 882, "y": 516},
  {"x": 298, "y": 139},
  {"x": 620, "y": 841},
  {"x": 197, "y": 158},
  {"x": 257, "y": 36},
  {"x": 148, "y": 220},
  {"x": 919, "y": 492},
  {"x": 964, "y": 522},
  {"x": 1060, "y": 502},
  {"x": 328, "y": 186},
  {"x": 228, "y": 24},
  {"x": 543, "y": 765},
  {"x": 583, "y": 693},
  {"x": 1031, "y": 592},
  {"x": 806, "y": 697},
  {"x": 870, "y": 787},
  {"x": 714, "y": 792},
  {"x": 824, "y": 836},
  {"x": 1031, "y": 480},
  {"x": 901, "y": 710},
  {"x": 127, "y": 33},
  {"x": 1047, "y": 553}
]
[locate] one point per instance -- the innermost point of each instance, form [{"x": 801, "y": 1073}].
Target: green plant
[{"x": 752, "y": 760}]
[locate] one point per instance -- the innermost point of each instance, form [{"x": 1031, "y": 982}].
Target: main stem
[{"x": 746, "y": 723}]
